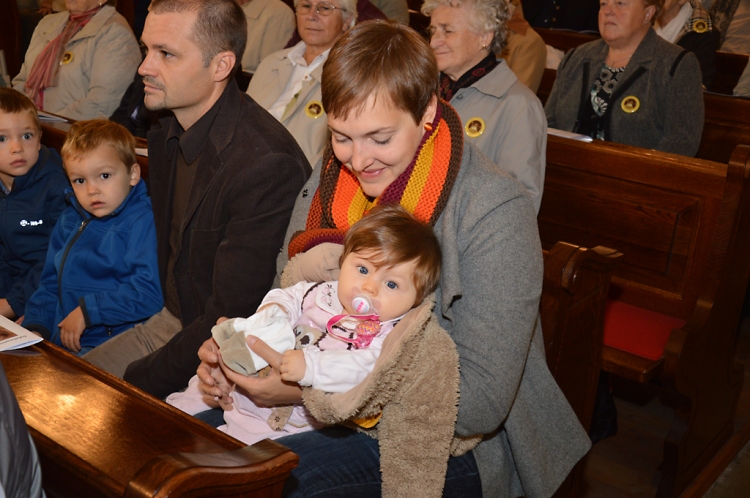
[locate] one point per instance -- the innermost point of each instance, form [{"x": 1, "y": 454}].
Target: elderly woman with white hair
[
  {"x": 287, "y": 83},
  {"x": 500, "y": 115}
]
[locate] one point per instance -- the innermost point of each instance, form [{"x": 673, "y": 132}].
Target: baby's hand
[
  {"x": 292, "y": 366},
  {"x": 71, "y": 330}
]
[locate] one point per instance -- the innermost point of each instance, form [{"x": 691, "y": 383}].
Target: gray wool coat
[
  {"x": 669, "y": 89},
  {"x": 515, "y": 137},
  {"x": 488, "y": 301}
]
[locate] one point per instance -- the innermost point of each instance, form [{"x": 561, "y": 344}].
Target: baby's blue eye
[
  {"x": 391, "y": 285},
  {"x": 2, "y": 138},
  {"x": 362, "y": 270},
  {"x": 28, "y": 136}
]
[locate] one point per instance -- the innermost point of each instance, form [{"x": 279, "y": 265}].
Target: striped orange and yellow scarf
[{"x": 422, "y": 189}]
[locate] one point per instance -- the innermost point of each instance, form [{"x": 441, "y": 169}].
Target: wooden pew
[
  {"x": 576, "y": 283},
  {"x": 729, "y": 68},
  {"x": 564, "y": 39},
  {"x": 726, "y": 125},
  {"x": 683, "y": 227},
  {"x": 99, "y": 436}
]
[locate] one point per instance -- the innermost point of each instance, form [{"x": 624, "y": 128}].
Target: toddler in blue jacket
[
  {"x": 32, "y": 184},
  {"x": 101, "y": 275}
]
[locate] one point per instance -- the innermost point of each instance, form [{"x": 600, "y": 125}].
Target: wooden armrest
[
  {"x": 630, "y": 366},
  {"x": 252, "y": 468}
]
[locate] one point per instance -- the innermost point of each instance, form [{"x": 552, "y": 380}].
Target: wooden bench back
[
  {"x": 665, "y": 213},
  {"x": 729, "y": 68},
  {"x": 726, "y": 125},
  {"x": 99, "y": 436}
]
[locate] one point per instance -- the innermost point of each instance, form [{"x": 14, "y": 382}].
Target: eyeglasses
[{"x": 323, "y": 8}]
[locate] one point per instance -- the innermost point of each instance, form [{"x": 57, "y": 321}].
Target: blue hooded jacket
[
  {"x": 27, "y": 216},
  {"x": 107, "y": 266}
]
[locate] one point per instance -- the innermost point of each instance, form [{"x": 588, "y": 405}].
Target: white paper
[
  {"x": 13, "y": 336},
  {"x": 141, "y": 151},
  {"x": 568, "y": 134},
  {"x": 45, "y": 116}
]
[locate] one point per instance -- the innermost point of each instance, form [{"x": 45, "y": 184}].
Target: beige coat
[
  {"x": 270, "y": 24},
  {"x": 267, "y": 85},
  {"x": 105, "y": 58},
  {"x": 527, "y": 56}
]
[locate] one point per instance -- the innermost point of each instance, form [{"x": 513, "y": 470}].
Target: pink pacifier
[
  {"x": 367, "y": 326},
  {"x": 361, "y": 304}
]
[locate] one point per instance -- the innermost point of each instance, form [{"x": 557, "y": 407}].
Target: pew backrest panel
[{"x": 660, "y": 210}]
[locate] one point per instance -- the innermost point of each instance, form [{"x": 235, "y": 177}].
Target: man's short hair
[
  {"x": 85, "y": 136},
  {"x": 395, "y": 236},
  {"x": 220, "y": 25},
  {"x": 383, "y": 58},
  {"x": 15, "y": 102}
]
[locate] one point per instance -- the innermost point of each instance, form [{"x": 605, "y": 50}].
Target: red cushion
[{"x": 636, "y": 330}]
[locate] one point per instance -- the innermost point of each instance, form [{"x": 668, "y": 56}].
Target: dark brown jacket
[{"x": 248, "y": 175}]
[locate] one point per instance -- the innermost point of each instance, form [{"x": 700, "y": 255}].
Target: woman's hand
[
  {"x": 212, "y": 380},
  {"x": 266, "y": 391}
]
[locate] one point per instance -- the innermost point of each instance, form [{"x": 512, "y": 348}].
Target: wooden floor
[{"x": 627, "y": 464}]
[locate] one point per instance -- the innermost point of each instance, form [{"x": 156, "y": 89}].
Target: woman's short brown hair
[
  {"x": 85, "y": 136},
  {"x": 385, "y": 59},
  {"x": 395, "y": 236},
  {"x": 15, "y": 102}
]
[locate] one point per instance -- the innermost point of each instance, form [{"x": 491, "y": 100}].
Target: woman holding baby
[{"x": 395, "y": 142}]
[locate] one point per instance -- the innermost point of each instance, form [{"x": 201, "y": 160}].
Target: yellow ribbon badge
[
  {"x": 630, "y": 104},
  {"x": 314, "y": 109},
  {"x": 475, "y": 127}
]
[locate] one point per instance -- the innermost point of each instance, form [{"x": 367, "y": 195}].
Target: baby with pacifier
[{"x": 330, "y": 333}]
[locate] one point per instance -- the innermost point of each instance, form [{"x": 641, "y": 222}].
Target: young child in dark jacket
[
  {"x": 101, "y": 275},
  {"x": 32, "y": 185}
]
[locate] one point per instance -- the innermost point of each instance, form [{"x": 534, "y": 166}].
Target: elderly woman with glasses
[
  {"x": 500, "y": 115},
  {"x": 287, "y": 83}
]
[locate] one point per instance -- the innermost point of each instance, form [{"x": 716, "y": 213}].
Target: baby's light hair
[
  {"x": 85, "y": 136},
  {"x": 396, "y": 237},
  {"x": 15, "y": 102}
]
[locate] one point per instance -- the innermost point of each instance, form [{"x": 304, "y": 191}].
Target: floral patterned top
[{"x": 601, "y": 95}]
